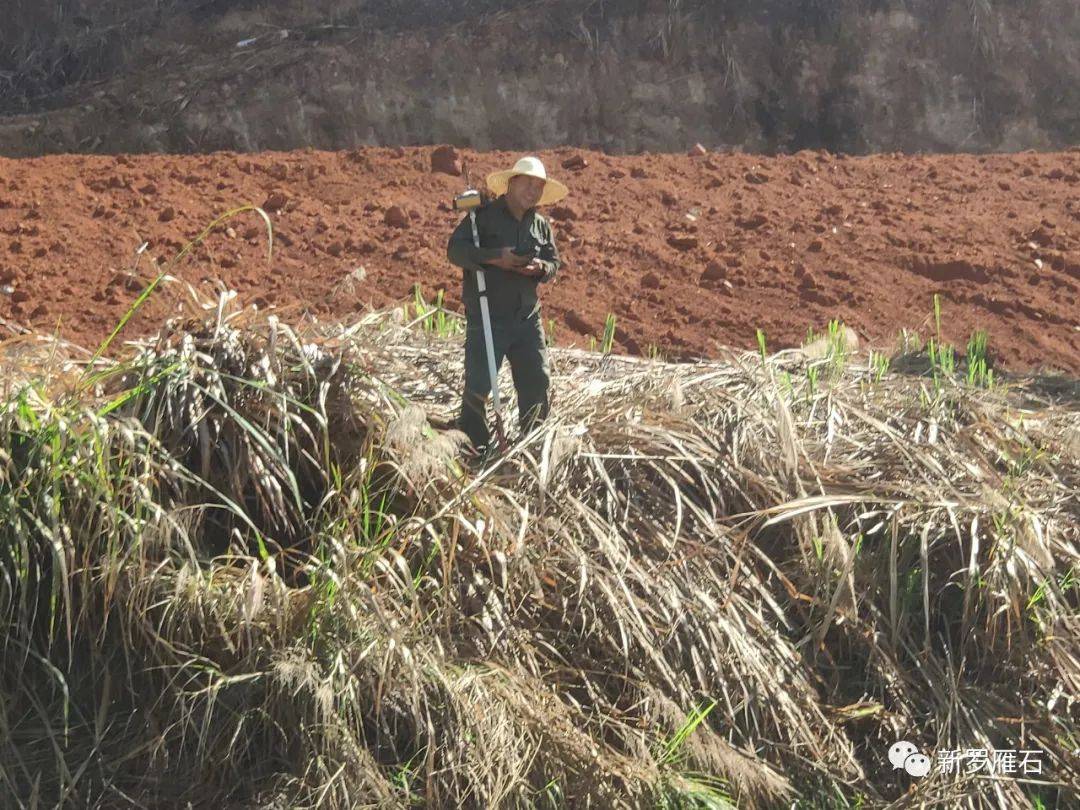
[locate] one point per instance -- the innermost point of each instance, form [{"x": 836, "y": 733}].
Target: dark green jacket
[{"x": 510, "y": 294}]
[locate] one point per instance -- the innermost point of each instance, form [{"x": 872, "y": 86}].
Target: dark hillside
[{"x": 858, "y": 76}]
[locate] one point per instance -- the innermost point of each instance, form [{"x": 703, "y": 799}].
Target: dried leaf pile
[{"x": 242, "y": 568}]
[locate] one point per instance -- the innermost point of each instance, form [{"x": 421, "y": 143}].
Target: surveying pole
[{"x": 470, "y": 200}]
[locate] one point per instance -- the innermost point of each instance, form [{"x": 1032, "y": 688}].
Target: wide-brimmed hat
[{"x": 554, "y": 191}]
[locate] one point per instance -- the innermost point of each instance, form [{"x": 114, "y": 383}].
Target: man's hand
[
  {"x": 532, "y": 269},
  {"x": 523, "y": 265},
  {"x": 508, "y": 260}
]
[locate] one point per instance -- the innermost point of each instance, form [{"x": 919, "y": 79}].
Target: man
[{"x": 517, "y": 251}]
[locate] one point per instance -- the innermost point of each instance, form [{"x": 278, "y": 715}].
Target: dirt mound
[{"x": 689, "y": 251}]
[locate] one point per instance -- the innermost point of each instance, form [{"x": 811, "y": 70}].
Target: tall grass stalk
[{"x": 608, "y": 342}]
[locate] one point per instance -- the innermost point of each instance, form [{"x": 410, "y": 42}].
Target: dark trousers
[{"x": 522, "y": 343}]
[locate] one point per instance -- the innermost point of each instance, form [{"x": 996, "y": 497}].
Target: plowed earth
[{"x": 689, "y": 252}]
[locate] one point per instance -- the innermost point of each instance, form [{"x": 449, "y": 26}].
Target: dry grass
[{"x": 240, "y": 568}]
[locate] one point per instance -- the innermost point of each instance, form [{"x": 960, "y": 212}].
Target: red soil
[{"x": 690, "y": 252}]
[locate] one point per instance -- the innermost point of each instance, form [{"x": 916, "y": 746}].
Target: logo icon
[{"x": 904, "y": 755}]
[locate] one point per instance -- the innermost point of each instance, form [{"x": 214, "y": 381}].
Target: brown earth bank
[
  {"x": 690, "y": 252},
  {"x": 621, "y": 76}
]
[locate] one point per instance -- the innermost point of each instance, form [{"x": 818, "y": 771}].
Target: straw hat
[{"x": 554, "y": 191}]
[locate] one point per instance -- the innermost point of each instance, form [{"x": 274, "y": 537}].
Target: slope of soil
[
  {"x": 690, "y": 253},
  {"x": 624, "y": 76}
]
